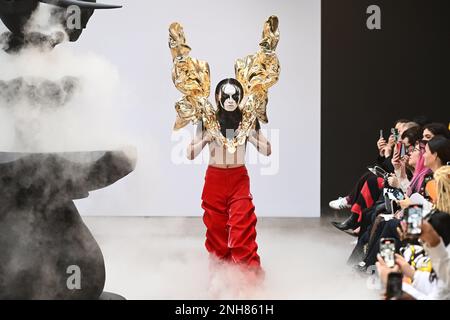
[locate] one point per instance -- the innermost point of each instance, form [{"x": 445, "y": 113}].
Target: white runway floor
[{"x": 165, "y": 258}]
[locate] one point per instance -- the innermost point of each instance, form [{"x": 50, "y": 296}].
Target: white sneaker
[{"x": 339, "y": 204}]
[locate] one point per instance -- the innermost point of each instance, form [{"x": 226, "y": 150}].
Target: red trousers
[{"x": 230, "y": 216}]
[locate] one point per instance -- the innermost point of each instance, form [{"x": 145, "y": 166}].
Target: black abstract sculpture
[
  {"x": 42, "y": 235},
  {"x": 16, "y": 13},
  {"x": 46, "y": 251}
]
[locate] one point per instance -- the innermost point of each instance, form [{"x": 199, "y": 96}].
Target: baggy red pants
[{"x": 230, "y": 216}]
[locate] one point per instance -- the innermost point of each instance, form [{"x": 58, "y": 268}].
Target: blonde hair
[
  {"x": 442, "y": 177},
  {"x": 410, "y": 125}
]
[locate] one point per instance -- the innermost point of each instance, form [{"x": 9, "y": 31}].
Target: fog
[
  {"x": 165, "y": 258},
  {"x": 58, "y": 100}
]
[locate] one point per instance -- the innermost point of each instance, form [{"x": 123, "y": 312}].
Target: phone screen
[
  {"x": 395, "y": 134},
  {"x": 394, "y": 285},
  {"x": 402, "y": 151},
  {"x": 413, "y": 217},
  {"x": 387, "y": 251}
]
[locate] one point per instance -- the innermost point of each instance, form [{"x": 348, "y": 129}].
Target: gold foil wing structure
[
  {"x": 257, "y": 73},
  {"x": 190, "y": 76}
]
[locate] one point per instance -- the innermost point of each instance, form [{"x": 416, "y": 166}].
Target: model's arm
[
  {"x": 201, "y": 139},
  {"x": 260, "y": 142}
]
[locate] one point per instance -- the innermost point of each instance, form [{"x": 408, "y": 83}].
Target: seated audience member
[
  {"x": 435, "y": 129},
  {"x": 433, "y": 284},
  {"x": 366, "y": 197},
  {"x": 373, "y": 218},
  {"x": 384, "y": 148},
  {"x": 437, "y": 154},
  {"x": 368, "y": 188}
]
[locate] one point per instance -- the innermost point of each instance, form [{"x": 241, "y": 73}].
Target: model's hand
[
  {"x": 253, "y": 134},
  {"x": 260, "y": 142},
  {"x": 429, "y": 235},
  {"x": 207, "y": 137}
]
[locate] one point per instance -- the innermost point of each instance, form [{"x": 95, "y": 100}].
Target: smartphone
[
  {"x": 413, "y": 216},
  {"x": 395, "y": 133},
  {"x": 402, "y": 150},
  {"x": 381, "y": 134},
  {"x": 394, "y": 286},
  {"x": 379, "y": 172},
  {"x": 387, "y": 251},
  {"x": 398, "y": 147}
]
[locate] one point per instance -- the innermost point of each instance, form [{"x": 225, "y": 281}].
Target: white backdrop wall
[{"x": 134, "y": 41}]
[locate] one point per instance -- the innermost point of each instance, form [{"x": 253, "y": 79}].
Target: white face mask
[{"x": 229, "y": 97}]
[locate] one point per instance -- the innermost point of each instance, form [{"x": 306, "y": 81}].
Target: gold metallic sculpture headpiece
[{"x": 257, "y": 73}]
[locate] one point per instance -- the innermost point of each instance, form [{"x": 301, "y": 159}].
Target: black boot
[{"x": 350, "y": 224}]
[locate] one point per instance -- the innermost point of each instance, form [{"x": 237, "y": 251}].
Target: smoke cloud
[
  {"x": 165, "y": 258},
  {"x": 58, "y": 100}
]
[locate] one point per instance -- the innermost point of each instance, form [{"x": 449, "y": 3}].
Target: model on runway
[{"x": 229, "y": 213}]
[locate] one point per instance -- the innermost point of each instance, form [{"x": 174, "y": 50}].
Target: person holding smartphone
[
  {"x": 368, "y": 188},
  {"x": 435, "y": 235},
  {"x": 436, "y": 154},
  {"x": 406, "y": 163},
  {"x": 420, "y": 183},
  {"x": 346, "y": 202}
]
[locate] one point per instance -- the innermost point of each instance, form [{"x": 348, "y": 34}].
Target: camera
[
  {"x": 413, "y": 216},
  {"x": 387, "y": 251}
]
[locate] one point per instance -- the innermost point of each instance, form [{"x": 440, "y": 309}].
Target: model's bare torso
[
  {"x": 219, "y": 155},
  {"x": 221, "y": 158}
]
